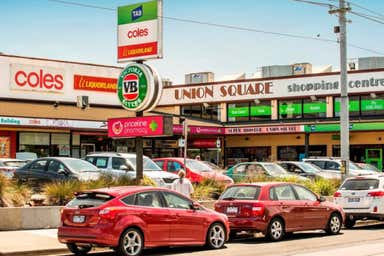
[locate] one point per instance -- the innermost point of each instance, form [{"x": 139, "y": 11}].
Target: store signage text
[
  {"x": 148, "y": 126},
  {"x": 139, "y": 31},
  {"x": 232, "y": 90},
  {"x": 264, "y": 129},
  {"x": 208, "y": 130},
  {"x": 93, "y": 83},
  {"x": 36, "y": 78}
]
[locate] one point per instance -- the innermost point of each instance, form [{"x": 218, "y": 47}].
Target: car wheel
[
  {"x": 334, "y": 224},
  {"x": 216, "y": 236},
  {"x": 349, "y": 223},
  {"x": 131, "y": 243},
  {"x": 79, "y": 250},
  {"x": 275, "y": 231}
]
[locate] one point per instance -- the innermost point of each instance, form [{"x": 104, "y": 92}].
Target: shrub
[
  {"x": 206, "y": 188},
  {"x": 3, "y": 185},
  {"x": 61, "y": 192}
]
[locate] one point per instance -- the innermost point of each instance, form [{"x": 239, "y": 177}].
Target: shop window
[
  {"x": 206, "y": 111},
  {"x": 354, "y": 106},
  {"x": 297, "y": 153},
  {"x": 314, "y": 108},
  {"x": 372, "y": 105},
  {"x": 34, "y": 142},
  {"x": 260, "y": 110},
  {"x": 60, "y": 144},
  {"x": 290, "y": 109}
]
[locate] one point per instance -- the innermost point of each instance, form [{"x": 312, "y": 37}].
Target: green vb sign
[{"x": 138, "y": 87}]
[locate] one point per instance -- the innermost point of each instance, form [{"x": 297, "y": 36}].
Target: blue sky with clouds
[{"x": 43, "y": 28}]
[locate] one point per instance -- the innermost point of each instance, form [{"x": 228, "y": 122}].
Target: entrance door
[
  {"x": 374, "y": 156},
  {"x": 87, "y": 148}
]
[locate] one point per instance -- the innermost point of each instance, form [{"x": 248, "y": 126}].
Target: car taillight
[
  {"x": 257, "y": 209},
  {"x": 376, "y": 193},
  {"x": 108, "y": 213},
  {"x": 337, "y": 194}
]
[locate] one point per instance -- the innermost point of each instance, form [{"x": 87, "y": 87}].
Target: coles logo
[
  {"x": 139, "y": 32},
  {"x": 117, "y": 127},
  {"x": 131, "y": 87},
  {"x": 34, "y": 78}
]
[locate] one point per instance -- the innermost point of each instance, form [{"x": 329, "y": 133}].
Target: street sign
[
  {"x": 139, "y": 87},
  {"x": 139, "y": 31}
]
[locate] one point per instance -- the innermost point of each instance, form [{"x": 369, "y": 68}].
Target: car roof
[
  {"x": 371, "y": 176},
  {"x": 11, "y": 159},
  {"x": 262, "y": 184},
  {"x": 112, "y": 154},
  {"x": 123, "y": 190}
]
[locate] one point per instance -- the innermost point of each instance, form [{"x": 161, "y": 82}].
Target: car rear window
[
  {"x": 241, "y": 193},
  {"x": 360, "y": 184},
  {"x": 87, "y": 200}
]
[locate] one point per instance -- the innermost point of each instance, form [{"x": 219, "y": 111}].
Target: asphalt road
[{"x": 361, "y": 241}]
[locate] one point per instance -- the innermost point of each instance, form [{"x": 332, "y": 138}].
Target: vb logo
[{"x": 131, "y": 87}]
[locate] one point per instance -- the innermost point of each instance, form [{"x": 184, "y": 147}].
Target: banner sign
[
  {"x": 148, "y": 126},
  {"x": 352, "y": 127},
  {"x": 94, "y": 83},
  {"x": 264, "y": 129},
  {"x": 206, "y": 130},
  {"x": 139, "y": 31}
]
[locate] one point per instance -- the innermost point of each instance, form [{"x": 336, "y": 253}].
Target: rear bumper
[
  {"x": 90, "y": 235},
  {"x": 248, "y": 224},
  {"x": 364, "y": 215}
]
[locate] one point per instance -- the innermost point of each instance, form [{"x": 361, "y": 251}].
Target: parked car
[
  {"x": 118, "y": 164},
  {"x": 195, "y": 170},
  {"x": 8, "y": 166},
  {"x": 366, "y": 166},
  {"x": 362, "y": 198},
  {"x": 48, "y": 169},
  {"x": 129, "y": 219},
  {"x": 277, "y": 208},
  {"x": 27, "y": 156},
  {"x": 306, "y": 170},
  {"x": 214, "y": 167},
  {"x": 255, "y": 169},
  {"x": 332, "y": 165}
]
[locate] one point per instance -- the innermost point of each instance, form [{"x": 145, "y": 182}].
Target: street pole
[
  {"x": 139, "y": 155},
  {"x": 185, "y": 133},
  {"x": 344, "y": 102}
]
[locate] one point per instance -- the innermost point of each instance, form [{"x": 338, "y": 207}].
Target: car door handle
[{"x": 284, "y": 206}]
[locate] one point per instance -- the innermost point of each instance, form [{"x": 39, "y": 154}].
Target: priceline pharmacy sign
[{"x": 358, "y": 82}]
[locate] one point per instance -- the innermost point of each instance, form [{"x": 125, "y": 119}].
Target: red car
[
  {"x": 129, "y": 219},
  {"x": 196, "y": 170},
  {"x": 278, "y": 208}
]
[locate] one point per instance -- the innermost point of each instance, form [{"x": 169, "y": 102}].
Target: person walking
[{"x": 183, "y": 185}]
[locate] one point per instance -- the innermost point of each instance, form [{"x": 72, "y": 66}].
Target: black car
[{"x": 56, "y": 168}]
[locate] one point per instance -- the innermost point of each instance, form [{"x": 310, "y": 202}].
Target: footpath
[{"x": 30, "y": 242}]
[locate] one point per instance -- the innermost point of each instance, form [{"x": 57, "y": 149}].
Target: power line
[
  {"x": 230, "y": 26},
  {"x": 380, "y": 16},
  {"x": 316, "y": 3},
  {"x": 365, "y": 16}
]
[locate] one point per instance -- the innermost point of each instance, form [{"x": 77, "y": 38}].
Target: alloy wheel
[
  {"x": 132, "y": 242},
  {"x": 216, "y": 236}
]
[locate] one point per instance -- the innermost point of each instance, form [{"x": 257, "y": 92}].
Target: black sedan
[{"x": 57, "y": 168}]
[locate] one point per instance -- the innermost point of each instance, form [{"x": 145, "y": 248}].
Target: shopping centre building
[{"x": 60, "y": 108}]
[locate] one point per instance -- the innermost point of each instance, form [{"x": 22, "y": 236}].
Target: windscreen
[
  {"x": 148, "y": 164},
  {"x": 360, "y": 184},
  {"x": 241, "y": 193},
  {"x": 87, "y": 200},
  {"x": 198, "y": 166},
  {"x": 79, "y": 165},
  {"x": 274, "y": 169}
]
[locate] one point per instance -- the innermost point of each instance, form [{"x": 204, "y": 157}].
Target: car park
[
  {"x": 8, "y": 166},
  {"x": 119, "y": 164},
  {"x": 196, "y": 170},
  {"x": 259, "y": 169},
  {"x": 306, "y": 170},
  {"x": 129, "y": 219},
  {"x": 49, "y": 169},
  {"x": 333, "y": 164},
  {"x": 277, "y": 208},
  {"x": 362, "y": 198}
]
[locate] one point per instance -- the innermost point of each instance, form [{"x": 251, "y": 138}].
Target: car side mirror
[
  {"x": 195, "y": 206},
  {"x": 62, "y": 172},
  {"x": 322, "y": 199}
]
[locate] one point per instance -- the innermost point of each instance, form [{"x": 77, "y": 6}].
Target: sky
[{"x": 53, "y": 30}]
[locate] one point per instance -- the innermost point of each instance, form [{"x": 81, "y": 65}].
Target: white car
[
  {"x": 332, "y": 166},
  {"x": 362, "y": 198},
  {"x": 9, "y": 165},
  {"x": 119, "y": 164}
]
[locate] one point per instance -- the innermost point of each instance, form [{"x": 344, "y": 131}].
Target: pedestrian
[
  {"x": 183, "y": 185},
  {"x": 198, "y": 158}
]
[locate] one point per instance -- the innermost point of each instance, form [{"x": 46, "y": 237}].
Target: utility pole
[{"x": 344, "y": 102}]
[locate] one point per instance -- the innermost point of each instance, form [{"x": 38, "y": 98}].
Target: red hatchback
[
  {"x": 196, "y": 170},
  {"x": 129, "y": 219},
  {"x": 278, "y": 208}
]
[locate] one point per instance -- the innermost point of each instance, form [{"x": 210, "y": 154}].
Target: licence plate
[
  {"x": 78, "y": 219},
  {"x": 354, "y": 200},
  {"x": 232, "y": 210}
]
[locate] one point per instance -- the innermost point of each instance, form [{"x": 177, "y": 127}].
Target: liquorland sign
[
  {"x": 139, "y": 31},
  {"x": 359, "y": 82}
]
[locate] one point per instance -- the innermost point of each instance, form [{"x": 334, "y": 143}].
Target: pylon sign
[
  {"x": 139, "y": 87},
  {"x": 139, "y": 31}
]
